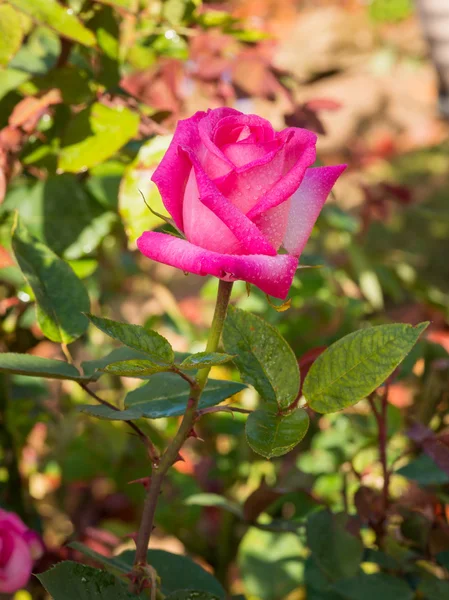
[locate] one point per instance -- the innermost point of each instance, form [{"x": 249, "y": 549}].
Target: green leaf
[
  {"x": 263, "y": 357},
  {"x": 72, "y": 82},
  {"x": 337, "y": 552},
  {"x": 215, "y": 500},
  {"x": 424, "y": 471},
  {"x": 356, "y": 365},
  {"x": 135, "y": 368},
  {"x": 189, "y": 575},
  {"x": 100, "y": 411},
  {"x": 205, "y": 359},
  {"x": 270, "y": 563},
  {"x": 433, "y": 589},
  {"x": 127, "y": 4},
  {"x": 10, "y": 79},
  {"x": 94, "y": 369},
  {"x": 36, "y": 366},
  {"x": 272, "y": 434},
  {"x": 60, "y": 213},
  {"x": 373, "y": 587},
  {"x": 60, "y": 295},
  {"x": 136, "y": 182},
  {"x": 135, "y": 336},
  {"x": 40, "y": 52},
  {"x": 10, "y": 33},
  {"x": 95, "y": 134},
  {"x": 166, "y": 395},
  {"x": 74, "y": 581},
  {"x": 58, "y": 18}
]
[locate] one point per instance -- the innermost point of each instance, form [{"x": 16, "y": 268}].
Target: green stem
[{"x": 171, "y": 454}]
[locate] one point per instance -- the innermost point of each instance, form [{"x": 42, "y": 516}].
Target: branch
[{"x": 152, "y": 451}]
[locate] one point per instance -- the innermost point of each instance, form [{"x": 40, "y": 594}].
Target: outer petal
[
  {"x": 203, "y": 232},
  {"x": 306, "y": 205},
  {"x": 272, "y": 274},
  {"x": 173, "y": 171},
  {"x": 16, "y": 572}
]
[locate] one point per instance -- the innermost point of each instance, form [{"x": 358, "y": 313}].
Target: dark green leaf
[
  {"x": 94, "y": 369},
  {"x": 36, "y": 366},
  {"x": 189, "y": 575},
  {"x": 135, "y": 368},
  {"x": 191, "y": 595},
  {"x": 424, "y": 471},
  {"x": 40, "y": 53},
  {"x": 337, "y": 552},
  {"x": 166, "y": 395},
  {"x": 270, "y": 563},
  {"x": 271, "y": 434},
  {"x": 94, "y": 135},
  {"x": 374, "y": 587},
  {"x": 215, "y": 500},
  {"x": 433, "y": 589},
  {"x": 73, "y": 581},
  {"x": 205, "y": 359},
  {"x": 263, "y": 357},
  {"x": 58, "y": 18},
  {"x": 135, "y": 336},
  {"x": 101, "y": 411},
  {"x": 72, "y": 82},
  {"x": 443, "y": 559},
  {"x": 60, "y": 213},
  {"x": 357, "y": 364},
  {"x": 60, "y": 295}
]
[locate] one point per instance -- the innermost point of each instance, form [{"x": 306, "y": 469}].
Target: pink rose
[
  {"x": 19, "y": 547},
  {"x": 238, "y": 190}
]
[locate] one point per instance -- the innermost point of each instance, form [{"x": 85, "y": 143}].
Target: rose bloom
[
  {"x": 239, "y": 192},
  {"x": 19, "y": 548}
]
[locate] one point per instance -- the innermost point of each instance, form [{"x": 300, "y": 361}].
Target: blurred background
[{"x": 90, "y": 93}]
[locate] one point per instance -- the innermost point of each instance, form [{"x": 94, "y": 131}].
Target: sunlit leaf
[
  {"x": 135, "y": 368},
  {"x": 137, "y": 337},
  {"x": 263, "y": 357},
  {"x": 10, "y": 33},
  {"x": 137, "y": 182},
  {"x": 272, "y": 434},
  {"x": 95, "y": 134},
  {"x": 356, "y": 365},
  {"x": 205, "y": 359},
  {"x": 60, "y": 295},
  {"x": 60, "y": 19}
]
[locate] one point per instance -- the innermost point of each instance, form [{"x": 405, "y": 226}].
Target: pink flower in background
[
  {"x": 239, "y": 191},
  {"x": 19, "y": 548}
]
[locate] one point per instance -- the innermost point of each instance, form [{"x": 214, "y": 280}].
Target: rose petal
[
  {"x": 299, "y": 152},
  {"x": 306, "y": 205},
  {"x": 173, "y": 171},
  {"x": 16, "y": 572},
  {"x": 11, "y": 521},
  {"x": 272, "y": 274},
  {"x": 203, "y": 231},
  {"x": 273, "y": 178},
  {"x": 202, "y": 227}
]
